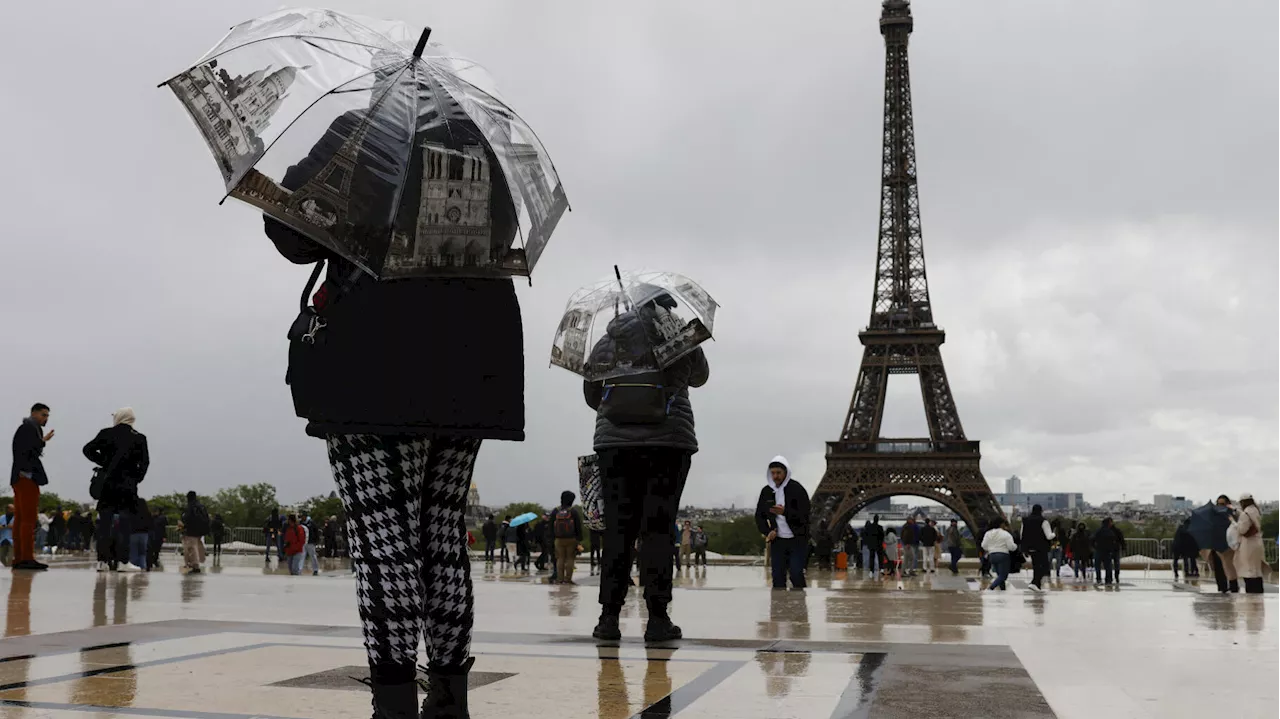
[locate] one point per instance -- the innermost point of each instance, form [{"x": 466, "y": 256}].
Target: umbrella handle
[{"x": 422, "y": 42}]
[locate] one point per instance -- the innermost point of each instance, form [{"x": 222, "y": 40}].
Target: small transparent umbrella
[
  {"x": 386, "y": 149},
  {"x": 635, "y": 322}
]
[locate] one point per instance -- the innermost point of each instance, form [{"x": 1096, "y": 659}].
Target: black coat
[
  {"x": 408, "y": 356},
  {"x": 1081, "y": 545},
  {"x": 122, "y": 451},
  {"x": 28, "y": 445},
  {"x": 677, "y": 430},
  {"x": 873, "y": 536},
  {"x": 489, "y": 531},
  {"x": 1184, "y": 545},
  {"x": 795, "y": 510},
  {"x": 1106, "y": 539},
  {"x": 928, "y": 535}
]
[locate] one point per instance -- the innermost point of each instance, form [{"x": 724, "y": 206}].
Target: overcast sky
[{"x": 1098, "y": 183}]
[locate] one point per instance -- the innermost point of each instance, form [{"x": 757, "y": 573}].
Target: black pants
[
  {"x": 1039, "y": 567},
  {"x": 1253, "y": 585},
  {"x": 114, "y": 528},
  {"x": 1106, "y": 561},
  {"x": 489, "y": 545},
  {"x": 788, "y": 557},
  {"x": 1220, "y": 575},
  {"x": 641, "y": 488}
]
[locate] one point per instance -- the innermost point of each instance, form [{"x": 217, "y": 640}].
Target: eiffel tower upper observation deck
[{"x": 901, "y": 338}]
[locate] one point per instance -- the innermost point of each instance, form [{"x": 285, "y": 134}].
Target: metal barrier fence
[{"x": 238, "y": 540}]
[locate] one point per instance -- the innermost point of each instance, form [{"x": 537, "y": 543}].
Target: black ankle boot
[
  {"x": 607, "y": 628},
  {"x": 393, "y": 701},
  {"x": 1233, "y": 586},
  {"x": 660, "y": 629},
  {"x": 447, "y": 692}
]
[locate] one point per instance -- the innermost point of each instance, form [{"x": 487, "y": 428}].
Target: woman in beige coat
[{"x": 1249, "y": 555}]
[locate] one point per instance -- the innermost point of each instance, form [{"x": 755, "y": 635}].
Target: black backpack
[{"x": 197, "y": 524}]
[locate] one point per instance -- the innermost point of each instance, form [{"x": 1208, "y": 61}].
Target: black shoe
[
  {"x": 393, "y": 701},
  {"x": 447, "y": 692},
  {"x": 661, "y": 629},
  {"x": 607, "y": 628},
  {"x": 30, "y": 564}
]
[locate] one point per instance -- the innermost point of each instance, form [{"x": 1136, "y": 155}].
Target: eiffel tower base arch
[{"x": 852, "y": 481}]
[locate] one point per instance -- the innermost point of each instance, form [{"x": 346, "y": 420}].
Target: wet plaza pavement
[{"x": 241, "y": 642}]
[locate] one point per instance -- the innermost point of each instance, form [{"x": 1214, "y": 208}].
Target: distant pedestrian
[
  {"x": 159, "y": 526},
  {"x": 567, "y": 527},
  {"x": 699, "y": 546},
  {"x": 195, "y": 525},
  {"x": 139, "y": 538},
  {"x": 57, "y": 529},
  {"x": 955, "y": 545},
  {"x": 782, "y": 516},
  {"x": 1185, "y": 551},
  {"x": 331, "y": 537},
  {"x": 218, "y": 529},
  {"x": 27, "y": 476},
  {"x": 6, "y": 535},
  {"x": 546, "y": 541},
  {"x": 1081, "y": 552},
  {"x": 1249, "y": 555},
  {"x": 892, "y": 553},
  {"x": 597, "y": 538},
  {"x": 910, "y": 547},
  {"x": 999, "y": 545},
  {"x": 984, "y": 562},
  {"x": 928, "y": 541},
  {"x": 686, "y": 544},
  {"x": 490, "y": 533},
  {"x": 1106, "y": 552},
  {"x": 872, "y": 543},
  {"x": 852, "y": 555},
  {"x": 310, "y": 557},
  {"x": 823, "y": 547},
  {"x": 122, "y": 458},
  {"x": 295, "y": 542},
  {"x": 271, "y": 530},
  {"x": 1037, "y": 534},
  {"x": 508, "y": 535}
]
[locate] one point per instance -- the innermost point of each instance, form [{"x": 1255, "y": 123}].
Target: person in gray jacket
[{"x": 645, "y": 439}]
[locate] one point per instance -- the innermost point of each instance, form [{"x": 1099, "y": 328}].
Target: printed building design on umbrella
[
  {"x": 570, "y": 351},
  {"x": 233, "y": 112},
  {"x": 455, "y": 227}
]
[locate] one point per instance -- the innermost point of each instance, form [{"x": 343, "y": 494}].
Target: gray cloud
[{"x": 1098, "y": 183}]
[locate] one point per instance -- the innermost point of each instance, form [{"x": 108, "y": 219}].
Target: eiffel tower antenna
[{"x": 901, "y": 338}]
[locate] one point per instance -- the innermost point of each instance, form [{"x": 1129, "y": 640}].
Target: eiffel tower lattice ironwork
[{"x": 901, "y": 338}]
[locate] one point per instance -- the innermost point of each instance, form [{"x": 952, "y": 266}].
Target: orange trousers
[{"x": 26, "y": 504}]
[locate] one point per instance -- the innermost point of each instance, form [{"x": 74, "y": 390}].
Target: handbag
[
  {"x": 1233, "y": 536},
  {"x": 637, "y": 399},
  {"x": 308, "y": 325}
]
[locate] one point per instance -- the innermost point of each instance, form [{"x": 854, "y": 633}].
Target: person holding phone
[
  {"x": 26, "y": 477},
  {"x": 782, "y": 516}
]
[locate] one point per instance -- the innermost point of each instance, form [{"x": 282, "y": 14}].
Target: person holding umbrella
[
  {"x": 1208, "y": 527},
  {"x": 416, "y": 184},
  {"x": 643, "y": 360}
]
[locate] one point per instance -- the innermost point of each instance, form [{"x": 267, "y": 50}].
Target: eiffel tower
[{"x": 901, "y": 338}]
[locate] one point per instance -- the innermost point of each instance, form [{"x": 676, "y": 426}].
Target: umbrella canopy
[
  {"x": 632, "y": 323},
  {"x": 386, "y": 149},
  {"x": 1208, "y": 526},
  {"x": 524, "y": 519}
]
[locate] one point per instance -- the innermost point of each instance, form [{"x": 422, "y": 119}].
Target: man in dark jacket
[
  {"x": 159, "y": 527},
  {"x": 195, "y": 524},
  {"x": 490, "y": 533},
  {"x": 1106, "y": 552},
  {"x": 1037, "y": 534},
  {"x": 27, "y": 476},
  {"x": 643, "y": 466},
  {"x": 872, "y": 544},
  {"x": 954, "y": 543},
  {"x": 910, "y": 538},
  {"x": 121, "y": 453},
  {"x": 546, "y": 540},
  {"x": 782, "y": 516}
]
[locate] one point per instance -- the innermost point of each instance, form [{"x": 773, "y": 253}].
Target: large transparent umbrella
[
  {"x": 387, "y": 149},
  {"x": 631, "y": 323}
]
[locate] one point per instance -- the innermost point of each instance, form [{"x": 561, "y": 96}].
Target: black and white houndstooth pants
[{"x": 405, "y": 499}]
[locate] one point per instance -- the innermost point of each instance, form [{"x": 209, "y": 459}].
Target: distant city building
[
  {"x": 1013, "y": 486},
  {"x": 1048, "y": 501},
  {"x": 884, "y": 504}
]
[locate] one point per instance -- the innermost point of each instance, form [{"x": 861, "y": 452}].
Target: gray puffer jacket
[{"x": 677, "y": 431}]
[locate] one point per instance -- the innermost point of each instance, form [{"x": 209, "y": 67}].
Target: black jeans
[
  {"x": 489, "y": 544},
  {"x": 1039, "y": 566},
  {"x": 641, "y": 488},
  {"x": 788, "y": 558},
  {"x": 1105, "y": 562},
  {"x": 114, "y": 528}
]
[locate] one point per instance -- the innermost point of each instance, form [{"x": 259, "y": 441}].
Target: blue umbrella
[
  {"x": 1208, "y": 526},
  {"x": 523, "y": 519}
]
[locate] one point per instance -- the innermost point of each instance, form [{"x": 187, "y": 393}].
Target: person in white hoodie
[
  {"x": 999, "y": 545},
  {"x": 782, "y": 516}
]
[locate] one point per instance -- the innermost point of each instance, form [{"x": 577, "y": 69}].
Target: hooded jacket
[
  {"x": 793, "y": 498},
  {"x": 624, "y": 334}
]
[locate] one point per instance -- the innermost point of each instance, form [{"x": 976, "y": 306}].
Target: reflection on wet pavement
[{"x": 243, "y": 640}]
